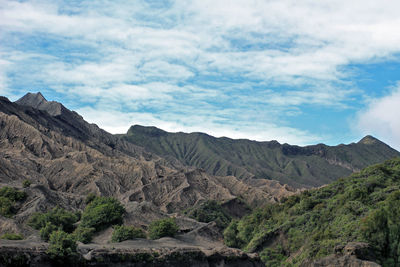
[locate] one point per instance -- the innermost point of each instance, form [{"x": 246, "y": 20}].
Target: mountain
[
  {"x": 64, "y": 158},
  {"x": 299, "y": 167},
  {"x": 351, "y": 222},
  {"x": 52, "y": 146}
]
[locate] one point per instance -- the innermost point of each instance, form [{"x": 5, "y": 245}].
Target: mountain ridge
[{"x": 295, "y": 165}]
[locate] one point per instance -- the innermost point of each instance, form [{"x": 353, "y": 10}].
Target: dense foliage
[
  {"x": 210, "y": 211},
  {"x": 363, "y": 207},
  {"x": 83, "y": 234},
  {"x": 62, "y": 246},
  {"x": 12, "y": 236},
  {"x": 55, "y": 218},
  {"x": 6, "y": 207},
  {"x": 8, "y": 198},
  {"x": 162, "y": 228},
  {"x": 124, "y": 232},
  {"x": 102, "y": 212},
  {"x": 12, "y": 193}
]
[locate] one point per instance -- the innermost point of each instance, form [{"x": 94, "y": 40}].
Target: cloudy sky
[{"x": 301, "y": 72}]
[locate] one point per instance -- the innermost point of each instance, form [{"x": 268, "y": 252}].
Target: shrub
[
  {"x": 122, "y": 233},
  {"x": 12, "y": 236},
  {"x": 102, "y": 212},
  {"x": 58, "y": 217},
  {"x": 210, "y": 211},
  {"x": 83, "y": 234},
  {"x": 47, "y": 230},
  {"x": 231, "y": 236},
  {"x": 273, "y": 256},
  {"x": 163, "y": 228},
  {"x": 12, "y": 194},
  {"x": 62, "y": 246},
  {"x": 6, "y": 207},
  {"x": 26, "y": 183},
  {"x": 8, "y": 197}
]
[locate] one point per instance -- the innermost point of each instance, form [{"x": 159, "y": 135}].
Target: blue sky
[{"x": 300, "y": 72}]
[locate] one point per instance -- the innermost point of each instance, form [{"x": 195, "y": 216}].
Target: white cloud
[
  {"x": 200, "y": 61},
  {"x": 381, "y": 118},
  {"x": 319, "y": 37}
]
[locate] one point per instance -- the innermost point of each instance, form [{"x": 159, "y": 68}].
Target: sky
[{"x": 299, "y": 72}]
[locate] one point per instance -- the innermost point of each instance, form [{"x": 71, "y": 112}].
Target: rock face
[
  {"x": 296, "y": 166},
  {"x": 354, "y": 254}
]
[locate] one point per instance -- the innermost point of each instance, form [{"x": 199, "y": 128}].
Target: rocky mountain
[
  {"x": 296, "y": 166},
  {"x": 50, "y": 145},
  {"x": 65, "y": 158}
]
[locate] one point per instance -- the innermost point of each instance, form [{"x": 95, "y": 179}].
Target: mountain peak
[
  {"x": 369, "y": 140},
  {"x": 146, "y": 130},
  {"x": 32, "y": 99},
  {"x": 37, "y": 100}
]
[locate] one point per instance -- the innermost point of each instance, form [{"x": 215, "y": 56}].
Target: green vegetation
[
  {"x": 55, "y": 218},
  {"x": 122, "y": 233},
  {"x": 210, "y": 211},
  {"x": 26, "y": 183},
  {"x": 12, "y": 236},
  {"x": 293, "y": 165},
  {"x": 12, "y": 193},
  {"x": 83, "y": 234},
  {"x": 57, "y": 226},
  {"x": 162, "y": 228},
  {"x": 364, "y": 207},
  {"x": 8, "y": 198},
  {"x": 6, "y": 207},
  {"x": 62, "y": 246},
  {"x": 102, "y": 212},
  {"x": 89, "y": 198},
  {"x": 47, "y": 230}
]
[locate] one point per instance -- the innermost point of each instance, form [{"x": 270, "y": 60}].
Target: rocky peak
[
  {"x": 369, "y": 140},
  {"x": 32, "y": 99},
  {"x": 37, "y": 100}
]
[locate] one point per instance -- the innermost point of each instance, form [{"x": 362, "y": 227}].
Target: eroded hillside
[{"x": 296, "y": 166}]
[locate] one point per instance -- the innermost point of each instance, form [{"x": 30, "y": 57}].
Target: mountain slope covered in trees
[{"x": 364, "y": 207}]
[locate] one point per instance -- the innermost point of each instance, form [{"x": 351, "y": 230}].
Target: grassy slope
[
  {"x": 363, "y": 207},
  {"x": 296, "y": 166}
]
